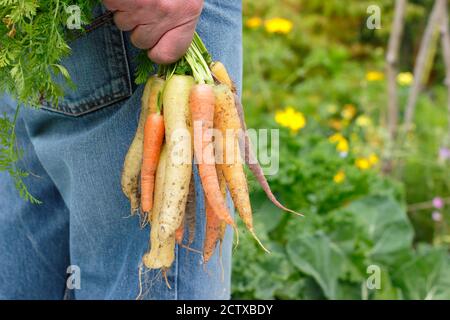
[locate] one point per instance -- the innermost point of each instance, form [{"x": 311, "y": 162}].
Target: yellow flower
[
  {"x": 336, "y": 138},
  {"x": 362, "y": 163},
  {"x": 291, "y": 119},
  {"x": 278, "y": 25},
  {"x": 342, "y": 143},
  {"x": 254, "y": 23},
  {"x": 374, "y": 76},
  {"x": 298, "y": 122},
  {"x": 373, "y": 159},
  {"x": 280, "y": 118},
  {"x": 342, "y": 146},
  {"x": 348, "y": 112},
  {"x": 339, "y": 177},
  {"x": 363, "y": 121},
  {"x": 405, "y": 78}
]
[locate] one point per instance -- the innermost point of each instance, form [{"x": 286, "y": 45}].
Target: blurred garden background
[{"x": 314, "y": 70}]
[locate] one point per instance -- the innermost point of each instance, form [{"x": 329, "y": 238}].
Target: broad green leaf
[
  {"x": 292, "y": 289},
  {"x": 426, "y": 276},
  {"x": 316, "y": 256},
  {"x": 384, "y": 222}
]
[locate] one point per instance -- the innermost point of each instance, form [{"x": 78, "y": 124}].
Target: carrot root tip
[
  {"x": 143, "y": 220},
  {"x": 190, "y": 249},
  {"x": 252, "y": 232},
  {"x": 298, "y": 214},
  {"x": 236, "y": 230},
  {"x": 164, "y": 273}
]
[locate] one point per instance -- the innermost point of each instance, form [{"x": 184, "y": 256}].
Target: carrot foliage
[{"x": 33, "y": 40}]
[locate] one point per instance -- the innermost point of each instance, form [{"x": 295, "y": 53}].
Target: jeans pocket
[{"x": 99, "y": 68}]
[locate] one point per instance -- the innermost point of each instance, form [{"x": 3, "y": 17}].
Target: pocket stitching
[{"x": 123, "y": 83}]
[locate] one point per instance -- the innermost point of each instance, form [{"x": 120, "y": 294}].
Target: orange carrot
[
  {"x": 226, "y": 119},
  {"x": 215, "y": 227},
  {"x": 202, "y": 110},
  {"x": 212, "y": 233},
  {"x": 221, "y": 74},
  {"x": 153, "y": 140}
]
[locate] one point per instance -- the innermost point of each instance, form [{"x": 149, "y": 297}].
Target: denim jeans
[{"x": 74, "y": 154}]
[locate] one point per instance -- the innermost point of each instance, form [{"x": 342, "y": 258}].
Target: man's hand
[{"x": 164, "y": 27}]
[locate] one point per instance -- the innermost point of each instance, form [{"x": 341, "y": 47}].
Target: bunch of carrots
[{"x": 183, "y": 106}]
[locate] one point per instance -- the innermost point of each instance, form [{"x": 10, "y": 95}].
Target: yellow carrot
[
  {"x": 161, "y": 254},
  {"x": 177, "y": 120}
]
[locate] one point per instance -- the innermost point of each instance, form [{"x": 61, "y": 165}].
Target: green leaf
[
  {"x": 267, "y": 215},
  {"x": 383, "y": 220},
  {"x": 426, "y": 276},
  {"x": 10, "y": 154},
  {"x": 317, "y": 256},
  {"x": 291, "y": 289},
  {"x": 64, "y": 72},
  {"x": 144, "y": 67}
]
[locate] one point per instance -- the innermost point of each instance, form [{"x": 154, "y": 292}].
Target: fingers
[
  {"x": 165, "y": 27},
  {"x": 125, "y": 20},
  {"x": 146, "y": 36},
  {"x": 173, "y": 44},
  {"x": 129, "y": 19}
]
